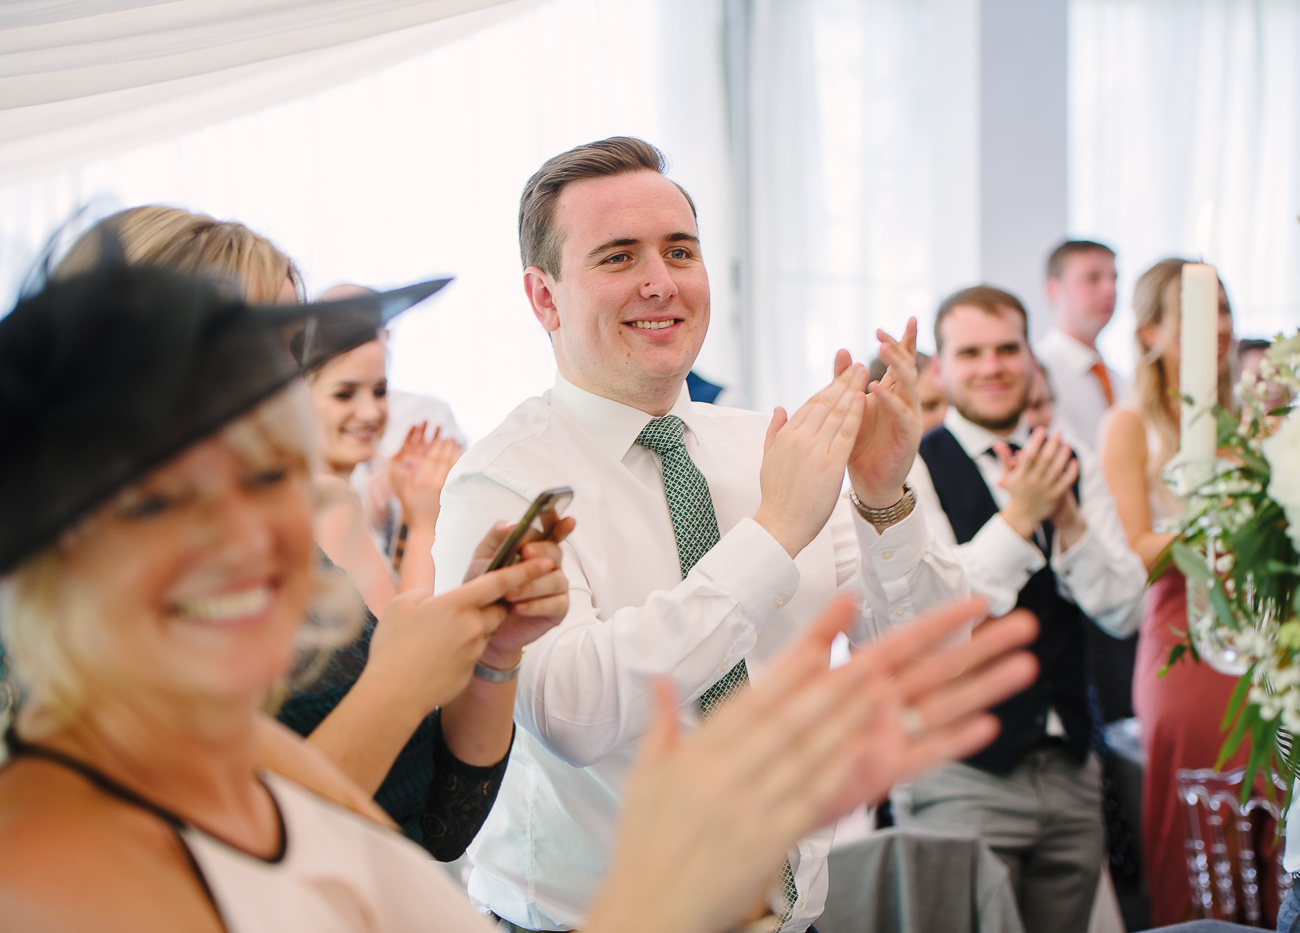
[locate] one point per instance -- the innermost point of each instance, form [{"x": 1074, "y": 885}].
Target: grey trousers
[{"x": 1044, "y": 821}]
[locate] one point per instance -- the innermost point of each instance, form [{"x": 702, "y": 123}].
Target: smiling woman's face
[
  {"x": 350, "y": 396},
  {"x": 196, "y": 578}
]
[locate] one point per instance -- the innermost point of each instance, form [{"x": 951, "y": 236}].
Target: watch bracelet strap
[
  {"x": 891, "y": 515},
  {"x": 496, "y": 675}
]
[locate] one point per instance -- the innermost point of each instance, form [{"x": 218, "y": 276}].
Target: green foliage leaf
[
  {"x": 1254, "y": 463},
  {"x": 1225, "y": 427},
  {"x": 1234, "y": 704},
  {"x": 1232, "y": 742},
  {"x": 1175, "y": 655},
  {"x": 1288, "y": 635},
  {"x": 1219, "y": 600},
  {"x": 1190, "y": 561}
]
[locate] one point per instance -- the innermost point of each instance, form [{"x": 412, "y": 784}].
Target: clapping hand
[
  {"x": 890, "y": 432},
  {"x": 803, "y": 747},
  {"x": 418, "y": 471},
  {"x": 1039, "y": 478},
  {"x": 804, "y": 459}
]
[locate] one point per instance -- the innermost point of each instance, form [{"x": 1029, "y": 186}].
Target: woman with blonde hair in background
[
  {"x": 349, "y": 393},
  {"x": 1181, "y": 711},
  {"x": 195, "y": 244},
  {"x": 349, "y": 400}
]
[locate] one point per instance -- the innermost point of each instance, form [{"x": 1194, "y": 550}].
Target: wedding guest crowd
[{"x": 215, "y": 513}]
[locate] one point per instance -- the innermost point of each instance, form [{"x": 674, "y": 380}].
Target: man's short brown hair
[
  {"x": 539, "y": 239},
  {"x": 1059, "y": 256},
  {"x": 985, "y": 297}
]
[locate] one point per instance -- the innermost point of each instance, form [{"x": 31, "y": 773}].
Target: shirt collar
[
  {"x": 1071, "y": 351},
  {"x": 613, "y": 426},
  {"x": 976, "y": 440}
]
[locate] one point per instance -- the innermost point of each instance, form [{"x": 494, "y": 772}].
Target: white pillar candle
[{"x": 1198, "y": 372}]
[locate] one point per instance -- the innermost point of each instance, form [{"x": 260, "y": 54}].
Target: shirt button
[
  {"x": 779, "y": 601},
  {"x": 900, "y": 612},
  {"x": 887, "y": 555}
]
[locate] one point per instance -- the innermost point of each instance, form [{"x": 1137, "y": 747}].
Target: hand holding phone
[{"x": 539, "y": 522}]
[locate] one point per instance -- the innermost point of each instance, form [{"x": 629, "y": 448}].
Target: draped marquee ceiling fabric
[{"x": 86, "y": 78}]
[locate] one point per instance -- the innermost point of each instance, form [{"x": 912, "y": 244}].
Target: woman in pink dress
[{"x": 1181, "y": 711}]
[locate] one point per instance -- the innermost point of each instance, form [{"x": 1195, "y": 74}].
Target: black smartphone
[{"x": 538, "y": 522}]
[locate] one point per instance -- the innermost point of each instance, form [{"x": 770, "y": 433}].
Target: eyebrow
[
  {"x": 682, "y": 237},
  {"x": 610, "y": 244}
]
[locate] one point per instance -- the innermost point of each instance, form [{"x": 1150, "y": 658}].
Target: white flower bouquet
[{"x": 1238, "y": 544}]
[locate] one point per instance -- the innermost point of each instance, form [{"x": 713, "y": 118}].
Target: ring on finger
[{"x": 913, "y": 723}]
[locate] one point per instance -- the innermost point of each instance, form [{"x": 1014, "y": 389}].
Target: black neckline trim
[{"x": 18, "y": 747}]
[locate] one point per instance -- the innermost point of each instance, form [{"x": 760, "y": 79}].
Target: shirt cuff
[
  {"x": 999, "y": 559},
  {"x": 892, "y": 553},
  {"x": 1073, "y": 566},
  {"x": 754, "y": 568}
]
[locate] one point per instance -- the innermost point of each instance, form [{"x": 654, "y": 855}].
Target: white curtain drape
[
  {"x": 1176, "y": 103},
  {"x": 416, "y": 170},
  {"x": 840, "y": 183},
  {"x": 83, "y": 79}
]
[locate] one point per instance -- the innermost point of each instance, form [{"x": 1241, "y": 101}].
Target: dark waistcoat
[{"x": 1062, "y": 682}]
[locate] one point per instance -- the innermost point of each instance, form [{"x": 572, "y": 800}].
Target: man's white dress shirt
[
  {"x": 1099, "y": 573},
  {"x": 1080, "y": 399},
  {"x": 585, "y": 690}
]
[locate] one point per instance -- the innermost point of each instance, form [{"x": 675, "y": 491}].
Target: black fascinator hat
[{"x": 108, "y": 374}]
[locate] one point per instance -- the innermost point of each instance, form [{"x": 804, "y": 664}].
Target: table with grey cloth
[{"x": 913, "y": 881}]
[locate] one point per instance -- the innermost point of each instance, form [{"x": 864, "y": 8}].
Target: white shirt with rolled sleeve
[
  {"x": 1099, "y": 573},
  {"x": 585, "y": 688}
]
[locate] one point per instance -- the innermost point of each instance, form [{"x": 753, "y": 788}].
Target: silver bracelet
[
  {"x": 892, "y": 515},
  {"x": 494, "y": 675}
]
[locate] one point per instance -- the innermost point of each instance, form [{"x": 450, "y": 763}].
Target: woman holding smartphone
[{"x": 395, "y": 707}]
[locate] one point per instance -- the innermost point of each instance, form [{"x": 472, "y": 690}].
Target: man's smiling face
[
  {"x": 630, "y": 309},
  {"x": 984, "y": 365}
]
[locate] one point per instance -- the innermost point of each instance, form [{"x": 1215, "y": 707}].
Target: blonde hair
[
  {"x": 43, "y": 619},
  {"x": 195, "y": 244},
  {"x": 1157, "y": 296}
]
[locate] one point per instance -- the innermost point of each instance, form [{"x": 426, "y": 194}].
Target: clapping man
[
  {"x": 706, "y": 537},
  {"x": 1035, "y": 527}
]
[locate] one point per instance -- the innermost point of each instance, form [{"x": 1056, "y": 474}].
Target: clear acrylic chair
[{"x": 1223, "y": 865}]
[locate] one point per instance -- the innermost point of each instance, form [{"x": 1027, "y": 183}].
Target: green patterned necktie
[{"x": 695, "y": 525}]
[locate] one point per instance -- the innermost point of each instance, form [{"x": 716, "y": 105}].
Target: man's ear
[
  {"x": 936, "y": 373},
  {"x": 1053, "y": 286},
  {"x": 538, "y": 285}
]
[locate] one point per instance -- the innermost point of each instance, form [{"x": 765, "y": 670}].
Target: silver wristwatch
[{"x": 891, "y": 515}]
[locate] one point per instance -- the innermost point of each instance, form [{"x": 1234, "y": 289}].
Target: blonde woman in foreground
[
  {"x": 392, "y": 710},
  {"x": 157, "y": 563}
]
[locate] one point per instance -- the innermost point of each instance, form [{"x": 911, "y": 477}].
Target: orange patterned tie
[{"x": 1099, "y": 370}]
